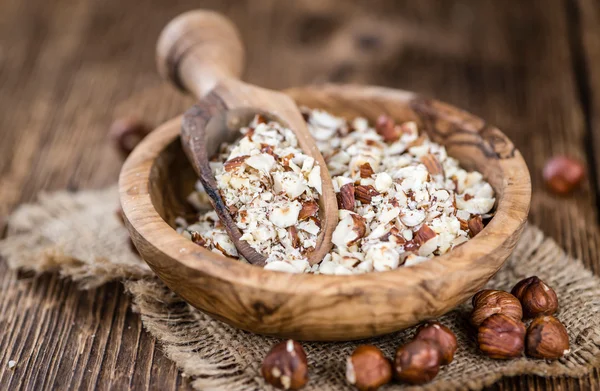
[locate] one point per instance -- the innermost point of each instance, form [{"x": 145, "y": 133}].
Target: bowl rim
[{"x": 144, "y": 220}]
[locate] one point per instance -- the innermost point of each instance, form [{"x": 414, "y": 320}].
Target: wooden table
[{"x": 68, "y": 68}]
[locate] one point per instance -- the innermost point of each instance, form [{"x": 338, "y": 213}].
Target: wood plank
[{"x": 67, "y": 67}]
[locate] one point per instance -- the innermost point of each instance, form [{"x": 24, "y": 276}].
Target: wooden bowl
[{"x": 156, "y": 179}]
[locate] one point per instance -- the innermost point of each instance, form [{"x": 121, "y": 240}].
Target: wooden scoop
[{"x": 201, "y": 53}]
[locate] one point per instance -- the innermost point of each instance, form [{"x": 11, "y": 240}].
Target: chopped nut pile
[
  {"x": 402, "y": 199},
  {"x": 272, "y": 189}
]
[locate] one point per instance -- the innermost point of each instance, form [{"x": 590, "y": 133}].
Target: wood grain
[
  {"x": 201, "y": 52},
  {"x": 511, "y": 64},
  {"x": 324, "y": 307}
]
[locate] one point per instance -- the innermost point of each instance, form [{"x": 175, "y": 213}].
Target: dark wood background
[{"x": 69, "y": 67}]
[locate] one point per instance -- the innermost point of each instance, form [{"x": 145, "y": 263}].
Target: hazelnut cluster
[
  {"x": 502, "y": 334},
  {"x": 416, "y": 362}
]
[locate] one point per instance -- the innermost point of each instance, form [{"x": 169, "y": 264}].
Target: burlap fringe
[{"x": 78, "y": 235}]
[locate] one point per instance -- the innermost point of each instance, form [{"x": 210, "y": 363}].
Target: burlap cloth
[{"x": 79, "y": 236}]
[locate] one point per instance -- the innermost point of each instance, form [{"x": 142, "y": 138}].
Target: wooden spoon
[{"x": 201, "y": 53}]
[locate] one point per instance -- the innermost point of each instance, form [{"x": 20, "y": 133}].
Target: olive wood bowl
[{"x": 156, "y": 178}]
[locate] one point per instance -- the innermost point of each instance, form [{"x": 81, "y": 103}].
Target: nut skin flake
[{"x": 402, "y": 200}]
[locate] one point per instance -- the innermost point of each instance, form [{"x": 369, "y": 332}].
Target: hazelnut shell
[
  {"x": 285, "y": 366},
  {"x": 417, "y": 362},
  {"x": 547, "y": 338},
  {"x": 501, "y": 337},
  {"x": 442, "y": 336},
  {"x": 489, "y": 302},
  {"x": 563, "y": 174},
  {"x": 126, "y": 133},
  {"x": 536, "y": 297},
  {"x": 368, "y": 368}
]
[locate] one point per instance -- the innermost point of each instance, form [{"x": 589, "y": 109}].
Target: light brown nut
[
  {"x": 442, "y": 336},
  {"x": 501, "y": 337},
  {"x": 368, "y": 368},
  {"x": 293, "y": 232},
  {"x": 359, "y": 227},
  {"x": 563, "y": 174},
  {"x": 475, "y": 225},
  {"x": 417, "y": 362},
  {"x": 285, "y": 366},
  {"x": 309, "y": 208},
  {"x": 418, "y": 142},
  {"x": 387, "y": 128},
  {"x": 364, "y": 194},
  {"x": 423, "y": 235},
  {"x": 366, "y": 170},
  {"x": 198, "y": 239},
  {"x": 233, "y": 164},
  {"x": 547, "y": 338},
  {"x": 346, "y": 197},
  {"x": 432, "y": 164},
  {"x": 126, "y": 133},
  {"x": 489, "y": 302},
  {"x": 536, "y": 297}
]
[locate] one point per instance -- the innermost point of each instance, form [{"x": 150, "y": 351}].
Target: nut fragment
[
  {"x": 386, "y": 127},
  {"x": 432, "y": 164},
  {"x": 127, "y": 132},
  {"x": 359, "y": 227},
  {"x": 233, "y": 164},
  {"x": 197, "y": 238},
  {"x": 364, "y": 194},
  {"x": 293, "y": 232},
  {"x": 563, "y": 174},
  {"x": 366, "y": 170},
  {"x": 489, "y": 302},
  {"x": 417, "y": 362},
  {"x": 285, "y": 366},
  {"x": 442, "y": 336},
  {"x": 547, "y": 338},
  {"x": 501, "y": 337},
  {"x": 424, "y": 234},
  {"x": 309, "y": 209},
  {"x": 346, "y": 197},
  {"x": 475, "y": 225},
  {"x": 536, "y": 297},
  {"x": 368, "y": 369}
]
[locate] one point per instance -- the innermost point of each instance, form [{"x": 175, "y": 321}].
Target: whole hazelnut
[
  {"x": 368, "y": 368},
  {"x": 501, "y": 337},
  {"x": 126, "y": 133},
  {"x": 536, "y": 297},
  {"x": 547, "y": 338},
  {"x": 417, "y": 362},
  {"x": 442, "y": 336},
  {"x": 563, "y": 174},
  {"x": 285, "y": 366},
  {"x": 489, "y": 302}
]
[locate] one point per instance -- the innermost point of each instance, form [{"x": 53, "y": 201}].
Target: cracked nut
[
  {"x": 442, "y": 336},
  {"x": 563, "y": 174},
  {"x": 126, "y": 133},
  {"x": 536, "y": 297},
  {"x": 547, "y": 338},
  {"x": 489, "y": 302},
  {"x": 417, "y": 362},
  {"x": 285, "y": 366},
  {"x": 501, "y": 337},
  {"x": 368, "y": 368},
  {"x": 346, "y": 197},
  {"x": 387, "y": 128}
]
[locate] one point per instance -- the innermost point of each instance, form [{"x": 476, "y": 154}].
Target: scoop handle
[{"x": 198, "y": 50}]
